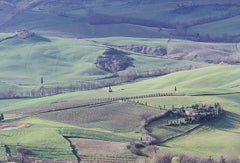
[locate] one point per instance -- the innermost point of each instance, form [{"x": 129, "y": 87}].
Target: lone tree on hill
[
  {"x": 109, "y": 89},
  {"x": 41, "y": 80}
]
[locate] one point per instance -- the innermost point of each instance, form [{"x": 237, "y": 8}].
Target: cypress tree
[
  {"x": 41, "y": 80},
  {"x": 2, "y": 117}
]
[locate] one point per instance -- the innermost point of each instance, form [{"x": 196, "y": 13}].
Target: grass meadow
[
  {"x": 64, "y": 50},
  {"x": 219, "y": 83},
  {"x": 67, "y": 61},
  {"x": 40, "y": 136},
  {"x": 218, "y": 79},
  {"x": 71, "y": 61},
  {"x": 214, "y": 138},
  {"x": 45, "y": 138}
]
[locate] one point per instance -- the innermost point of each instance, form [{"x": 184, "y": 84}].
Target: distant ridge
[{"x": 205, "y": 21}]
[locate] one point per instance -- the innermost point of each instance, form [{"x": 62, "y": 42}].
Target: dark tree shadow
[{"x": 228, "y": 120}]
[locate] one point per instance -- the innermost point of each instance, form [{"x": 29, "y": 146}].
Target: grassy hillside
[
  {"x": 124, "y": 18},
  {"x": 46, "y": 139},
  {"x": 53, "y": 47},
  {"x": 210, "y": 80},
  {"x": 68, "y": 61},
  {"x": 210, "y": 139},
  {"x": 46, "y": 142},
  {"x": 51, "y": 59},
  {"x": 231, "y": 24},
  {"x": 215, "y": 138}
]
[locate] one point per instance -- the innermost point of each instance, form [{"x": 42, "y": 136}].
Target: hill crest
[{"x": 124, "y": 18}]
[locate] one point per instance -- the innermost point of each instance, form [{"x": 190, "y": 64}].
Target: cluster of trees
[
  {"x": 140, "y": 96},
  {"x": 114, "y": 60},
  {"x": 146, "y": 49},
  {"x": 195, "y": 114},
  {"x": 135, "y": 148},
  {"x": 131, "y": 73}
]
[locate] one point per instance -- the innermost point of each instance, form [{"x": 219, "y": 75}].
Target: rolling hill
[
  {"x": 203, "y": 86},
  {"x": 213, "y": 80},
  {"x": 81, "y": 79},
  {"x": 136, "y": 18},
  {"x": 64, "y": 62},
  {"x": 28, "y": 56}
]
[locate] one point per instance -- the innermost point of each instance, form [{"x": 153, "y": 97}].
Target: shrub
[
  {"x": 167, "y": 158},
  {"x": 175, "y": 160},
  {"x": 134, "y": 148},
  {"x": 187, "y": 159}
]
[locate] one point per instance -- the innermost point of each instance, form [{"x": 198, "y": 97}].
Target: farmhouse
[{"x": 196, "y": 113}]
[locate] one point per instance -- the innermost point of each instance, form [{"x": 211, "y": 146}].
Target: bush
[
  {"x": 167, "y": 158},
  {"x": 114, "y": 60},
  {"x": 187, "y": 159},
  {"x": 175, "y": 160},
  {"x": 134, "y": 148}
]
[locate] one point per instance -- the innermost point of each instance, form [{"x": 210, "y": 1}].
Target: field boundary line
[
  {"x": 214, "y": 94},
  {"x": 182, "y": 134}
]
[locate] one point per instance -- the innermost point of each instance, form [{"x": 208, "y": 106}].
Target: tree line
[{"x": 130, "y": 74}]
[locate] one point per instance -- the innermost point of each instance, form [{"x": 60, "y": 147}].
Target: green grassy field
[
  {"x": 67, "y": 61},
  {"x": 45, "y": 138},
  {"x": 50, "y": 59},
  {"x": 119, "y": 117},
  {"x": 159, "y": 129},
  {"x": 210, "y": 80},
  {"x": 69, "y": 37},
  {"x": 204, "y": 143},
  {"x": 205, "y": 86},
  {"x": 40, "y": 136},
  {"x": 215, "y": 138}
]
